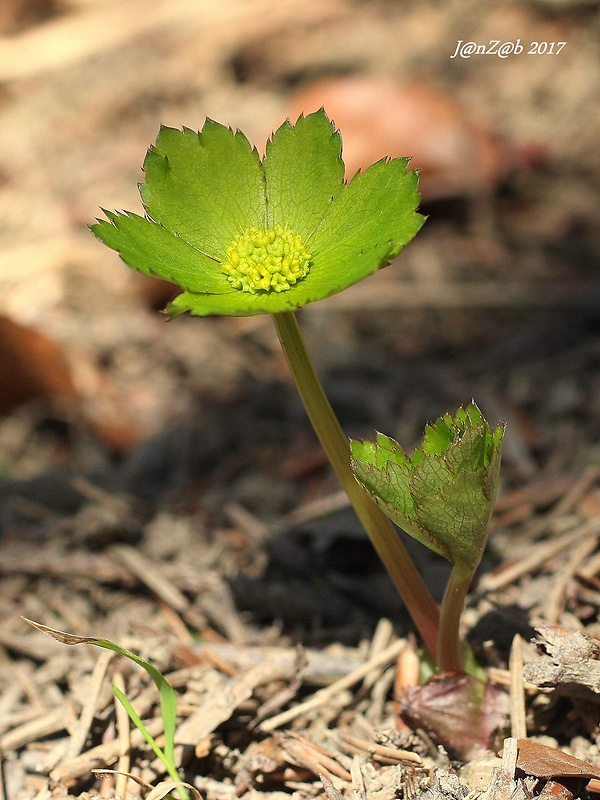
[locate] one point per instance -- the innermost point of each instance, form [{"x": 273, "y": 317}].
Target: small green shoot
[
  {"x": 443, "y": 495},
  {"x": 168, "y": 699},
  {"x": 244, "y": 236}
]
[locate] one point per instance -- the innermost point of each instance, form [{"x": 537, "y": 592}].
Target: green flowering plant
[
  {"x": 443, "y": 495},
  {"x": 243, "y": 235},
  {"x": 246, "y": 236}
]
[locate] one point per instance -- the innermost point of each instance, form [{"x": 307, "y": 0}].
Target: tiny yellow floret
[{"x": 266, "y": 260}]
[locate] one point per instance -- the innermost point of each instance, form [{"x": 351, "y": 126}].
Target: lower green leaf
[{"x": 442, "y": 495}]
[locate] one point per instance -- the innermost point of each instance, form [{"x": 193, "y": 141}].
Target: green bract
[
  {"x": 444, "y": 494},
  {"x": 245, "y": 236}
]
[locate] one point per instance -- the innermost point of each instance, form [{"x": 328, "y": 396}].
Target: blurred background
[
  {"x": 159, "y": 482},
  {"x": 496, "y": 299}
]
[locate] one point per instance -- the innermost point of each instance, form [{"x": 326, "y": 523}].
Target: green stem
[
  {"x": 448, "y": 649},
  {"x": 383, "y": 535}
]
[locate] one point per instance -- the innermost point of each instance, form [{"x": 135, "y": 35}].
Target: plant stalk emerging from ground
[
  {"x": 246, "y": 236},
  {"x": 385, "y": 540}
]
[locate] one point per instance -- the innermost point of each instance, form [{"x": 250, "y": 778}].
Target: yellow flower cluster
[{"x": 266, "y": 260}]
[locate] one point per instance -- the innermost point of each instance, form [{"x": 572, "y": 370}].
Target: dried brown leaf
[
  {"x": 61, "y": 636},
  {"x": 571, "y": 666},
  {"x": 31, "y": 366},
  {"x": 164, "y": 788},
  {"x": 548, "y": 762}
]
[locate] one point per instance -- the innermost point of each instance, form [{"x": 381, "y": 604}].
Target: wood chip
[
  {"x": 564, "y": 574},
  {"x": 102, "y": 756},
  {"x": 150, "y": 575},
  {"x": 81, "y": 729},
  {"x": 518, "y": 721},
  {"x": 509, "y": 756},
  {"x": 540, "y": 554},
  {"x": 124, "y": 738},
  {"x": 44, "y": 725},
  {"x": 322, "y": 667},
  {"x": 219, "y": 708},
  {"x": 323, "y": 695},
  {"x": 567, "y": 502},
  {"x": 380, "y": 752},
  {"x": 309, "y": 755}
]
